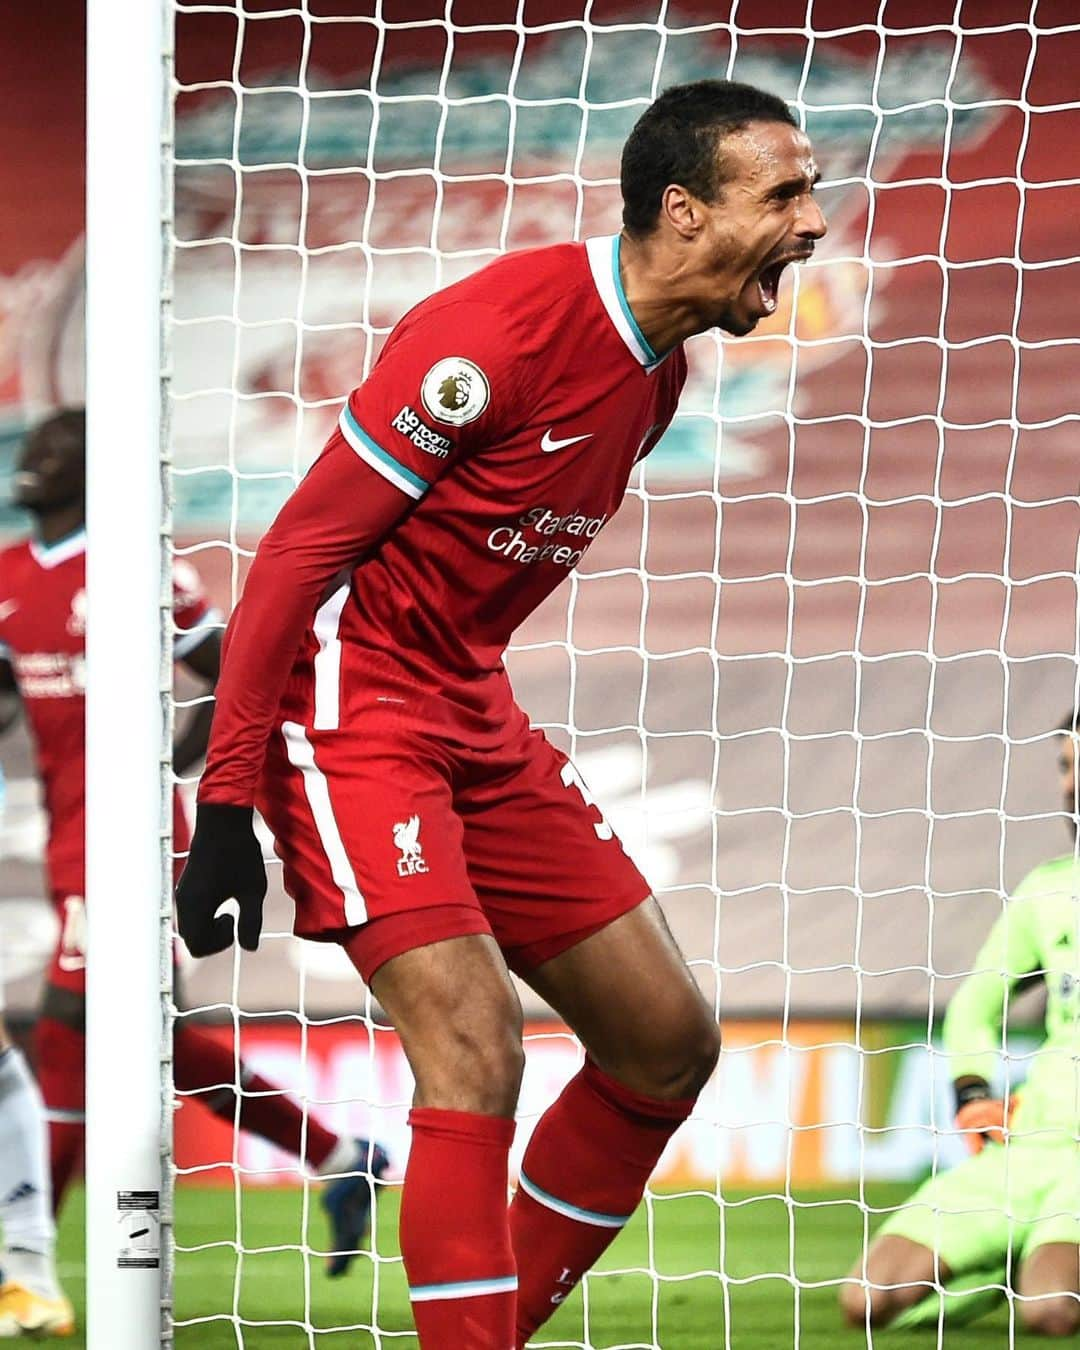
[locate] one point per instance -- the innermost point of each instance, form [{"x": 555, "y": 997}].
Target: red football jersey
[
  {"x": 511, "y": 407},
  {"x": 43, "y": 635}
]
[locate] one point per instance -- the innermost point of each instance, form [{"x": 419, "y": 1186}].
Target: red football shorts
[{"x": 392, "y": 839}]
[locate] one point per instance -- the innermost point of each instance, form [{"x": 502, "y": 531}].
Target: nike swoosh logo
[
  {"x": 548, "y": 445},
  {"x": 7, "y": 609}
]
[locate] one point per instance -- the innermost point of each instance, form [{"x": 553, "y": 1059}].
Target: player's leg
[
  {"x": 30, "y": 1296},
  {"x": 652, "y": 1044},
  {"x": 1049, "y": 1287},
  {"x": 964, "y": 1299},
  {"x": 898, "y": 1273},
  {"x": 628, "y": 993},
  {"x": 60, "y": 1043},
  {"x": 572, "y": 914},
  {"x": 371, "y": 853},
  {"x": 940, "y": 1256},
  {"x": 205, "y": 1069},
  {"x": 1048, "y": 1280},
  {"x": 459, "y": 1019}
]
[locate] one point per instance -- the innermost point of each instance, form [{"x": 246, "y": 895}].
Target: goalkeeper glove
[
  {"x": 225, "y": 862},
  {"x": 983, "y": 1118}
]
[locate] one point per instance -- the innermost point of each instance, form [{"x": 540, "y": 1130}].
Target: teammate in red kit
[
  {"x": 42, "y": 645},
  {"x": 364, "y": 705}
]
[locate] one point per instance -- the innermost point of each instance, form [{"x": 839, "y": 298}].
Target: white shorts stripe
[
  {"x": 328, "y": 662},
  {"x": 302, "y": 756}
]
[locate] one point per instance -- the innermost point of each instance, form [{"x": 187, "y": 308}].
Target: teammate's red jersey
[
  {"x": 43, "y": 635},
  {"x": 511, "y": 408}
]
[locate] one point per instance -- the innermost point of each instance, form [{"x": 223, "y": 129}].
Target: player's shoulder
[
  {"x": 521, "y": 292},
  {"x": 15, "y": 550},
  {"x": 15, "y": 558},
  {"x": 1049, "y": 880},
  {"x": 517, "y": 274}
]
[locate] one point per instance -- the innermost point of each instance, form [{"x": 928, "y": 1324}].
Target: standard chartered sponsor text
[{"x": 516, "y": 540}]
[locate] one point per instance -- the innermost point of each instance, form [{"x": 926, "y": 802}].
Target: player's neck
[
  {"x": 58, "y": 524},
  {"x": 665, "y": 314}
]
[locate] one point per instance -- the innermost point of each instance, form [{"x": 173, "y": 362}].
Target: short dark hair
[
  {"x": 71, "y": 421},
  {"x": 675, "y": 140}
]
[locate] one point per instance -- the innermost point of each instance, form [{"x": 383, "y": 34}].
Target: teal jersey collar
[{"x": 603, "y": 255}]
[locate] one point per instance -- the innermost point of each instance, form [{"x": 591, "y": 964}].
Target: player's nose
[{"x": 812, "y": 223}]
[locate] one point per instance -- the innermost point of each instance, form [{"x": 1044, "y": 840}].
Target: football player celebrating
[
  {"x": 1009, "y": 1217},
  {"x": 42, "y": 646},
  {"x": 364, "y": 705}
]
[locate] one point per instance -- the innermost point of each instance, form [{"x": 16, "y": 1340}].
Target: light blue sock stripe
[
  {"x": 421, "y": 484},
  {"x": 571, "y": 1211},
  {"x": 625, "y": 304},
  {"x": 429, "y": 1293}
]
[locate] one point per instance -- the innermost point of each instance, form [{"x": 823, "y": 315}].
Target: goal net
[{"x": 812, "y": 669}]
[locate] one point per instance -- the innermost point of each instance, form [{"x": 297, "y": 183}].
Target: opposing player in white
[{"x": 31, "y": 1301}]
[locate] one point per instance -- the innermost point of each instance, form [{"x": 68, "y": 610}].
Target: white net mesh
[{"x": 811, "y": 670}]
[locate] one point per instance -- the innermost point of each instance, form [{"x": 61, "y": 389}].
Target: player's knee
[
  {"x": 860, "y": 1305},
  {"x": 489, "y": 1063},
  {"x": 853, "y": 1304},
  {"x": 1058, "y": 1315},
  {"x": 686, "y": 1063},
  {"x": 708, "y": 1053},
  {"x": 479, "y": 1063}
]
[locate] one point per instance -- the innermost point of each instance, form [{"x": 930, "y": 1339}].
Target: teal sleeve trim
[{"x": 359, "y": 439}]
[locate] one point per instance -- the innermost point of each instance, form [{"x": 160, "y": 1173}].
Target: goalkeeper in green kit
[{"x": 1009, "y": 1217}]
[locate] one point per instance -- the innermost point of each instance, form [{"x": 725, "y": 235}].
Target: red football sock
[
  {"x": 202, "y": 1064},
  {"x": 582, "y": 1177},
  {"x": 60, "y": 1054},
  {"x": 455, "y": 1235}
]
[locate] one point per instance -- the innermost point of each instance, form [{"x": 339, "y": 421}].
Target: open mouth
[
  {"x": 769, "y": 285},
  {"x": 769, "y": 279}
]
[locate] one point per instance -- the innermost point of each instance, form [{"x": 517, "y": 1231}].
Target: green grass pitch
[{"x": 285, "y": 1303}]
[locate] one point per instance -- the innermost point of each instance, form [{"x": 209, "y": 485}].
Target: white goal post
[{"x": 129, "y": 682}]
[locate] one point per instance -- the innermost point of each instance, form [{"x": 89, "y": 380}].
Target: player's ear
[{"x": 682, "y": 211}]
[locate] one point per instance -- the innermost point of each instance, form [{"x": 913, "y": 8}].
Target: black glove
[{"x": 225, "y": 862}]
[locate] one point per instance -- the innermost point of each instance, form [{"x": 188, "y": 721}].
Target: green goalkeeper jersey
[{"x": 1038, "y": 934}]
